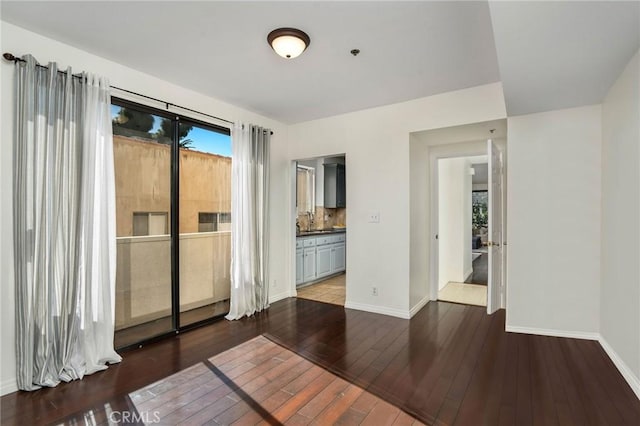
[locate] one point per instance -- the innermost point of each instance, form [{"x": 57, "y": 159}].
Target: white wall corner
[
  {"x": 585, "y": 335},
  {"x": 624, "y": 369},
  {"x": 8, "y": 386},
  {"x": 398, "y": 313},
  {"x": 419, "y": 306}
]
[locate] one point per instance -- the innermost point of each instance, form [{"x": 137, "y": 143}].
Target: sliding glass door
[
  {"x": 173, "y": 220},
  {"x": 205, "y": 223}
]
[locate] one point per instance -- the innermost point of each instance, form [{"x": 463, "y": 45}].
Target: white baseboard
[
  {"x": 624, "y": 369},
  {"x": 279, "y": 296},
  {"x": 419, "y": 306},
  {"x": 398, "y": 313},
  {"x": 553, "y": 333},
  {"x": 8, "y": 386}
]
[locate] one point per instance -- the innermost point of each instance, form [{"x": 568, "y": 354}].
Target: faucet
[{"x": 309, "y": 220}]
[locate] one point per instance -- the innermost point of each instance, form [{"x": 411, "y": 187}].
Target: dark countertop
[{"x": 321, "y": 232}]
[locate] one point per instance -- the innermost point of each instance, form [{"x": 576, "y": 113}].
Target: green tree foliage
[
  {"x": 480, "y": 210},
  {"x": 133, "y": 120},
  {"x": 165, "y": 131},
  {"x": 480, "y": 215},
  {"x": 130, "y": 122}
]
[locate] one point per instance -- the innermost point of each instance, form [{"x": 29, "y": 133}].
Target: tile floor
[
  {"x": 468, "y": 294},
  {"x": 332, "y": 290}
]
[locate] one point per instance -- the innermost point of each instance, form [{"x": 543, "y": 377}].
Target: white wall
[
  {"x": 620, "y": 290},
  {"x": 454, "y": 216},
  {"x": 554, "y": 222},
  {"x": 7, "y": 308},
  {"x": 421, "y": 236},
  {"x": 480, "y": 187},
  {"x": 19, "y": 41},
  {"x": 387, "y": 255}
]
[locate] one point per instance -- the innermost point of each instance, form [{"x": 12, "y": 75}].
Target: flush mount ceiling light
[{"x": 288, "y": 42}]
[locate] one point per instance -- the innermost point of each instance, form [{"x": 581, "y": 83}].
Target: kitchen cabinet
[
  {"x": 323, "y": 261},
  {"x": 299, "y": 265},
  {"x": 320, "y": 256},
  {"x": 335, "y": 194},
  {"x": 338, "y": 257},
  {"x": 309, "y": 264}
]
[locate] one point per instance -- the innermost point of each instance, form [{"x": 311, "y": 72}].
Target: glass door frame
[{"x": 174, "y": 211}]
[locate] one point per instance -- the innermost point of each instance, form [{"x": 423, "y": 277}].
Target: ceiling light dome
[{"x": 288, "y": 42}]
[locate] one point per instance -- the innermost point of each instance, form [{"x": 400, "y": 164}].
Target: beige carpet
[
  {"x": 468, "y": 294},
  {"x": 260, "y": 382}
]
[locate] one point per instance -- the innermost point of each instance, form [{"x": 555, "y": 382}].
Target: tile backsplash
[{"x": 333, "y": 217}]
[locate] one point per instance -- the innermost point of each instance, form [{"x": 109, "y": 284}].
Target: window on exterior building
[
  {"x": 214, "y": 222},
  {"x": 150, "y": 223},
  {"x": 224, "y": 221}
]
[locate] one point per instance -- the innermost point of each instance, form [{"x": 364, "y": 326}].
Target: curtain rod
[{"x": 12, "y": 58}]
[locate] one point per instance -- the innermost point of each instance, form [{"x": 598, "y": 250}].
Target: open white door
[{"x": 494, "y": 277}]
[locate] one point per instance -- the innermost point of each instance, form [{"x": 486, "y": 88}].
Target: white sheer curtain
[
  {"x": 64, "y": 225},
  {"x": 249, "y": 220}
]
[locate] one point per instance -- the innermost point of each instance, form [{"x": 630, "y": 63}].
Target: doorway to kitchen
[{"x": 321, "y": 232}]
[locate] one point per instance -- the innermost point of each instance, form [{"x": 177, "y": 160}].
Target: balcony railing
[{"x": 143, "y": 276}]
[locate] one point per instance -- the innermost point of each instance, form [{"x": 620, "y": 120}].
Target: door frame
[
  {"x": 437, "y": 152},
  {"x": 174, "y": 211},
  {"x": 495, "y": 290},
  {"x": 293, "y": 215}
]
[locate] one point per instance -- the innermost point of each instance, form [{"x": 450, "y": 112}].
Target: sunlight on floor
[{"x": 259, "y": 382}]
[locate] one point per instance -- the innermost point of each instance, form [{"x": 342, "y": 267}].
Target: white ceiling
[
  {"x": 551, "y": 55},
  {"x": 408, "y": 49},
  {"x": 555, "y": 55}
]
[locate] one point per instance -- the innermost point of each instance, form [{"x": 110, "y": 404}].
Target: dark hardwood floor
[
  {"x": 140, "y": 332},
  {"x": 450, "y": 364}
]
